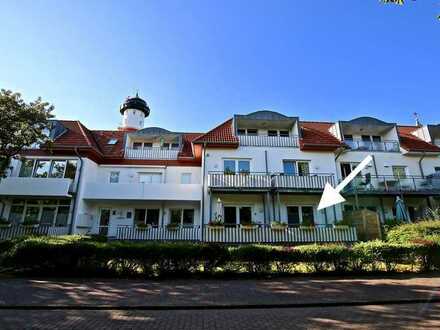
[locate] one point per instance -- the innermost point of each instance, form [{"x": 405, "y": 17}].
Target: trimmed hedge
[{"x": 80, "y": 256}]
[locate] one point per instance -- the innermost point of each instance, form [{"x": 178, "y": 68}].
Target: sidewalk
[{"x": 86, "y": 293}]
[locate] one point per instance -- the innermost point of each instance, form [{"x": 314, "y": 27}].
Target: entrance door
[
  {"x": 230, "y": 216},
  {"x": 104, "y": 221}
]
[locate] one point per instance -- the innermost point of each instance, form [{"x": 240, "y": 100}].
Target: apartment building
[{"x": 255, "y": 168}]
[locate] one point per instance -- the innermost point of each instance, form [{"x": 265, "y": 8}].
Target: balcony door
[
  {"x": 150, "y": 178},
  {"x": 303, "y": 215}
]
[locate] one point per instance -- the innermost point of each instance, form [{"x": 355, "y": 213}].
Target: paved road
[
  {"x": 410, "y": 316},
  {"x": 192, "y": 296}
]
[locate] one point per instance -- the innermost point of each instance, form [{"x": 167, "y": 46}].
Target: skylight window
[{"x": 112, "y": 141}]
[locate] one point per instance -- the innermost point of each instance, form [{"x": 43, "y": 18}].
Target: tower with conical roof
[{"x": 134, "y": 110}]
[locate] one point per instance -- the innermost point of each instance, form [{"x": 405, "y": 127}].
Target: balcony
[
  {"x": 314, "y": 181},
  {"x": 45, "y": 187},
  {"x": 389, "y": 184},
  {"x": 268, "y": 141},
  {"x": 143, "y": 191},
  {"x": 151, "y": 153},
  {"x": 384, "y": 146},
  {"x": 264, "y": 181},
  {"x": 253, "y": 180}
]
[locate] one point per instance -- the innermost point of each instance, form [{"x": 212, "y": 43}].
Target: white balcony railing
[
  {"x": 48, "y": 187},
  {"x": 151, "y": 153},
  {"x": 304, "y": 182},
  {"x": 268, "y": 141}
]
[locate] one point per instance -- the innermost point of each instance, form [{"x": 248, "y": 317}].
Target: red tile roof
[
  {"x": 316, "y": 136},
  {"x": 220, "y": 135},
  {"x": 410, "y": 142}
]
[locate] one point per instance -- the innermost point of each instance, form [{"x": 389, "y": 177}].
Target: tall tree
[{"x": 21, "y": 125}]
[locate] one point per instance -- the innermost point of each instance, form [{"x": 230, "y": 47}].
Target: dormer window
[
  {"x": 112, "y": 141},
  {"x": 272, "y": 133},
  {"x": 284, "y": 133},
  {"x": 241, "y": 131},
  {"x": 148, "y": 145},
  {"x": 348, "y": 137}
]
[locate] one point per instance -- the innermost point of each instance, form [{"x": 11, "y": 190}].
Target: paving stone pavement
[
  {"x": 411, "y": 316},
  {"x": 117, "y": 292}
]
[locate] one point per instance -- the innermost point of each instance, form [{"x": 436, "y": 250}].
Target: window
[
  {"x": 62, "y": 216},
  {"x": 112, "y": 141},
  {"x": 284, "y": 133},
  {"x": 150, "y": 178},
  {"x": 137, "y": 145},
  {"x": 272, "y": 133},
  {"x": 26, "y": 168},
  {"x": 297, "y": 215},
  {"x": 303, "y": 168},
  {"x": 437, "y": 169},
  {"x": 48, "y": 215},
  {"x": 252, "y": 131},
  {"x": 244, "y": 166},
  {"x": 183, "y": 217},
  {"x": 188, "y": 217},
  {"x": 231, "y": 166},
  {"x": 16, "y": 214},
  {"x": 114, "y": 177},
  {"x": 366, "y": 138},
  {"x": 292, "y": 167},
  {"x": 42, "y": 169},
  {"x": 175, "y": 216},
  {"x": 376, "y": 138},
  {"x": 70, "y": 169},
  {"x": 348, "y": 137},
  {"x": 32, "y": 213},
  {"x": 165, "y": 146},
  {"x": 174, "y": 146},
  {"x": 399, "y": 172},
  {"x": 58, "y": 168},
  {"x": 241, "y": 131},
  {"x": 139, "y": 216},
  {"x": 185, "y": 178},
  {"x": 289, "y": 167},
  {"x": 237, "y": 215},
  {"x": 152, "y": 217},
  {"x": 148, "y": 145},
  {"x": 245, "y": 215}
]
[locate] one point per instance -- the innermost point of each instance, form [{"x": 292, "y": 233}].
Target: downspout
[
  {"x": 203, "y": 192},
  {"x": 420, "y": 164},
  {"x": 75, "y": 198}
]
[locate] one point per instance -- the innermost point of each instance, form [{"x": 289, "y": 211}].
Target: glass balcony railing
[
  {"x": 386, "y": 146},
  {"x": 392, "y": 184}
]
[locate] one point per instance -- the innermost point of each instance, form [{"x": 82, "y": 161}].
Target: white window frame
[
  {"x": 40, "y": 206},
  {"x": 181, "y": 210},
  {"x": 236, "y": 160},
  {"x": 300, "y": 212},
  {"x": 405, "y": 168},
  {"x": 296, "y": 162},
  {"x": 237, "y": 211}
]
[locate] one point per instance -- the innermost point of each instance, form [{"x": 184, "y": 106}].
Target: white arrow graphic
[{"x": 331, "y": 196}]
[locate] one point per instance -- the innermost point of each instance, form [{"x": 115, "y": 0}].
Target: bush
[
  {"x": 84, "y": 256},
  {"x": 409, "y": 232}
]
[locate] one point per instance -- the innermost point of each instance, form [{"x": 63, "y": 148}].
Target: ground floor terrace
[{"x": 416, "y": 205}]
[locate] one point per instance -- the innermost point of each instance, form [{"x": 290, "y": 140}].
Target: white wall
[{"x": 133, "y": 118}]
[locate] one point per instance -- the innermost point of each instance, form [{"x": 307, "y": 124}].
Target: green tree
[{"x": 21, "y": 125}]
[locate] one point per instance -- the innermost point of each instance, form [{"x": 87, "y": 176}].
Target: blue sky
[{"x": 198, "y": 62}]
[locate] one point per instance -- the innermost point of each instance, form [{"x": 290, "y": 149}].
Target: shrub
[{"x": 410, "y": 232}]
